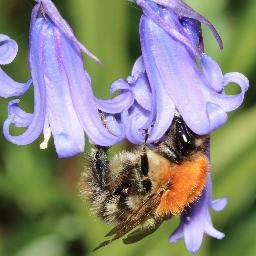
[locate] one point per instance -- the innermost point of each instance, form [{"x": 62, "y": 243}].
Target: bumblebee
[{"x": 148, "y": 185}]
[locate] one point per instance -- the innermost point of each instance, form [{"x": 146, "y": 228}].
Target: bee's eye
[{"x": 185, "y": 138}]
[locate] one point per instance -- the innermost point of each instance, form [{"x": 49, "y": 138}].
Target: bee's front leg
[
  {"x": 99, "y": 165},
  {"x": 94, "y": 179}
]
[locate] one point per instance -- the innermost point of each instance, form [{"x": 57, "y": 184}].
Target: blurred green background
[{"x": 40, "y": 212}]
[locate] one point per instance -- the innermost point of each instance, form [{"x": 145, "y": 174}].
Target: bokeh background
[{"x": 40, "y": 211}]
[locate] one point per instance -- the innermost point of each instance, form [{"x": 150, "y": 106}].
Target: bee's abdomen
[{"x": 187, "y": 181}]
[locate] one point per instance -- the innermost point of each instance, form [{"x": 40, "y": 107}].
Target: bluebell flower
[
  {"x": 176, "y": 65},
  {"x": 64, "y": 103}
]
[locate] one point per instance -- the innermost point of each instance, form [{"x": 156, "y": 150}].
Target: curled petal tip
[
  {"x": 174, "y": 239},
  {"x": 8, "y": 49},
  {"x": 211, "y": 231},
  {"x": 238, "y": 78},
  {"x": 177, "y": 234},
  {"x": 220, "y": 236},
  {"x": 219, "y": 204}
]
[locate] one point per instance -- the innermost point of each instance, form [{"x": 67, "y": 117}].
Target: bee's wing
[
  {"x": 137, "y": 217},
  {"x": 143, "y": 231}
]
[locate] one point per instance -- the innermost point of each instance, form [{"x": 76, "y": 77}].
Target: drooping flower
[
  {"x": 171, "y": 43},
  {"x": 64, "y": 103},
  {"x": 197, "y": 220}
]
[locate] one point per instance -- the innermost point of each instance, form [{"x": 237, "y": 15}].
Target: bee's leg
[
  {"x": 94, "y": 179},
  {"x": 144, "y": 167},
  {"x": 100, "y": 165},
  {"x": 149, "y": 227},
  {"x": 145, "y": 181},
  {"x": 144, "y": 164}
]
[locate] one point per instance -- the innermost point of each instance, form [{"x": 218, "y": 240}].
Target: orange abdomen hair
[{"x": 186, "y": 183}]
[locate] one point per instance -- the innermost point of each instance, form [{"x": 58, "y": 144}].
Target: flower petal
[
  {"x": 142, "y": 92},
  {"x": 8, "y": 49},
  {"x": 212, "y": 72},
  {"x": 217, "y": 117},
  {"x": 213, "y": 232},
  {"x": 182, "y": 85},
  {"x": 164, "y": 110},
  {"x": 11, "y": 88},
  {"x": 193, "y": 236},
  {"x": 153, "y": 109},
  {"x": 219, "y": 204},
  {"x": 177, "y": 234},
  {"x": 231, "y": 102},
  {"x": 194, "y": 32},
  {"x": 228, "y": 102},
  {"x": 18, "y": 117},
  {"x": 117, "y": 104},
  {"x": 67, "y": 130},
  {"x": 135, "y": 124},
  {"x": 50, "y": 10},
  {"x": 149, "y": 9},
  {"x": 37, "y": 32},
  {"x": 137, "y": 70},
  {"x": 83, "y": 98},
  {"x": 182, "y": 9},
  {"x": 119, "y": 84},
  {"x": 115, "y": 127},
  {"x": 138, "y": 83}
]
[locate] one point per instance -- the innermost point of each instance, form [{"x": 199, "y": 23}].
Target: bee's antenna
[{"x": 144, "y": 157}]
